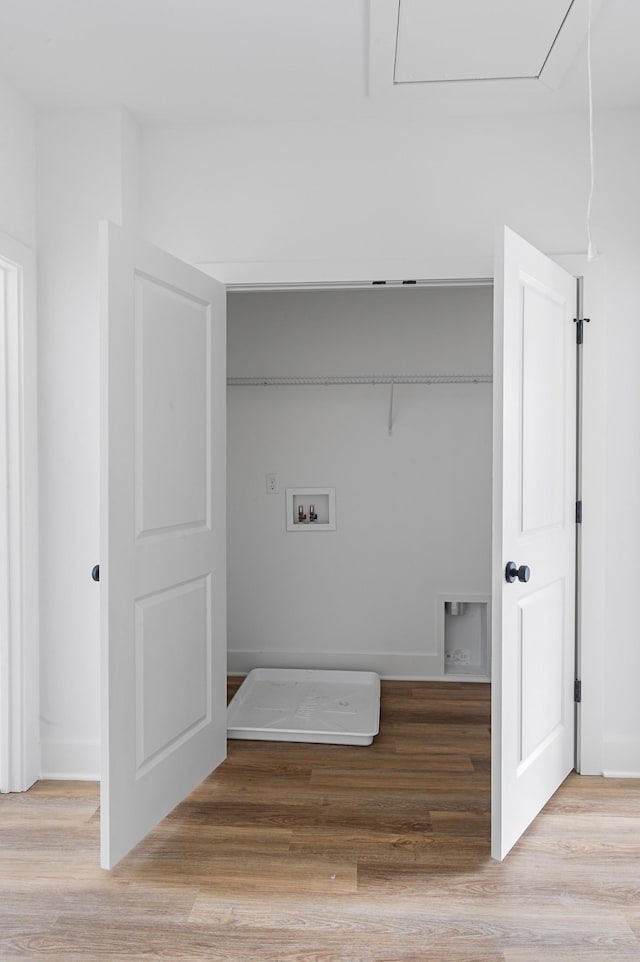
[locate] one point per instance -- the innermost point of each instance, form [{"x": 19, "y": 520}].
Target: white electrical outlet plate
[{"x": 273, "y": 484}]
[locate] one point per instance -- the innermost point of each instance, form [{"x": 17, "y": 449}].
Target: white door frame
[
  {"x": 19, "y": 640},
  {"x": 591, "y": 613},
  {"x": 325, "y": 274}
]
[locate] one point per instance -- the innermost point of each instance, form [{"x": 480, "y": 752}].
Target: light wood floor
[{"x": 333, "y": 854}]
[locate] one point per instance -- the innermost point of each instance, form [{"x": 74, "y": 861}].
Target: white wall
[
  {"x": 87, "y": 170},
  {"x": 338, "y": 192},
  {"x": 620, "y": 454},
  {"x": 434, "y": 189},
  {"x": 413, "y": 509},
  {"x": 428, "y": 189},
  {"x": 617, "y": 456},
  {"x": 17, "y": 166}
]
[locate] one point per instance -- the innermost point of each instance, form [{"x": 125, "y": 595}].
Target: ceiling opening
[{"x": 463, "y": 40}]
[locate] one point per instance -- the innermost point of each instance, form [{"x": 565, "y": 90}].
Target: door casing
[{"x": 19, "y": 641}]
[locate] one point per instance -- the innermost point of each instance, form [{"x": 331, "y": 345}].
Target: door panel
[
  {"x": 172, "y": 695},
  {"x": 541, "y": 669},
  {"x": 173, "y": 481},
  {"x": 163, "y": 535},
  {"x": 534, "y": 525},
  {"x": 543, "y": 407}
]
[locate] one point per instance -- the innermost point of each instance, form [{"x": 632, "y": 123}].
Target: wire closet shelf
[
  {"x": 391, "y": 379},
  {"x": 361, "y": 379}
]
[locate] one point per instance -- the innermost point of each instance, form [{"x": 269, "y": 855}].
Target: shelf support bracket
[{"x": 391, "y": 409}]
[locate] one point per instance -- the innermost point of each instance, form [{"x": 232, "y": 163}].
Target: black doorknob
[
  {"x": 95, "y": 572},
  {"x": 512, "y": 571}
]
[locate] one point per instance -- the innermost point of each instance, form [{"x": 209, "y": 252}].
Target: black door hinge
[
  {"x": 577, "y": 690},
  {"x": 578, "y": 512},
  {"x": 580, "y": 322}
]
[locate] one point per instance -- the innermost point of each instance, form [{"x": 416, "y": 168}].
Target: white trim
[
  {"x": 358, "y": 274},
  {"x": 19, "y": 692},
  {"x": 76, "y": 761},
  {"x": 621, "y": 757},
  {"x": 389, "y": 665},
  {"x": 591, "y": 752}
]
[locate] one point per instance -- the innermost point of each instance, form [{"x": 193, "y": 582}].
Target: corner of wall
[
  {"x": 71, "y": 761},
  {"x": 17, "y": 166},
  {"x": 130, "y": 162},
  {"x": 87, "y": 172}
]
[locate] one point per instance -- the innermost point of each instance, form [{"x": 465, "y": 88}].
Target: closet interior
[{"x": 359, "y": 480}]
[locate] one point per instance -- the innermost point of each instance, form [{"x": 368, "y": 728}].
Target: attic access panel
[
  {"x": 467, "y": 40},
  {"x": 417, "y": 48}
]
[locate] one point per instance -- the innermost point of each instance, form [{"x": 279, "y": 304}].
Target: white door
[
  {"x": 163, "y": 551},
  {"x": 534, "y": 527}
]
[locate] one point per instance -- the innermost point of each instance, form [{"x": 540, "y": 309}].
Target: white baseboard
[
  {"x": 400, "y": 666},
  {"x": 80, "y": 761},
  {"x": 621, "y": 758},
  {"x": 71, "y": 761}
]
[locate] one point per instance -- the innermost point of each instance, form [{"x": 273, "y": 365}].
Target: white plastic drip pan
[{"x": 304, "y": 705}]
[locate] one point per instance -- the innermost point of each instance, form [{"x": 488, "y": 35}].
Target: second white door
[
  {"x": 534, "y": 530},
  {"x": 163, "y": 564}
]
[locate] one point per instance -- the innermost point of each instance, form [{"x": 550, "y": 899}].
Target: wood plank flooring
[{"x": 314, "y": 853}]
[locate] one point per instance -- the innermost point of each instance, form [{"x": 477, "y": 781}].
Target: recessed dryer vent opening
[{"x": 465, "y": 636}]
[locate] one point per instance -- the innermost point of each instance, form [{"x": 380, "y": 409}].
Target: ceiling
[{"x": 296, "y": 60}]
